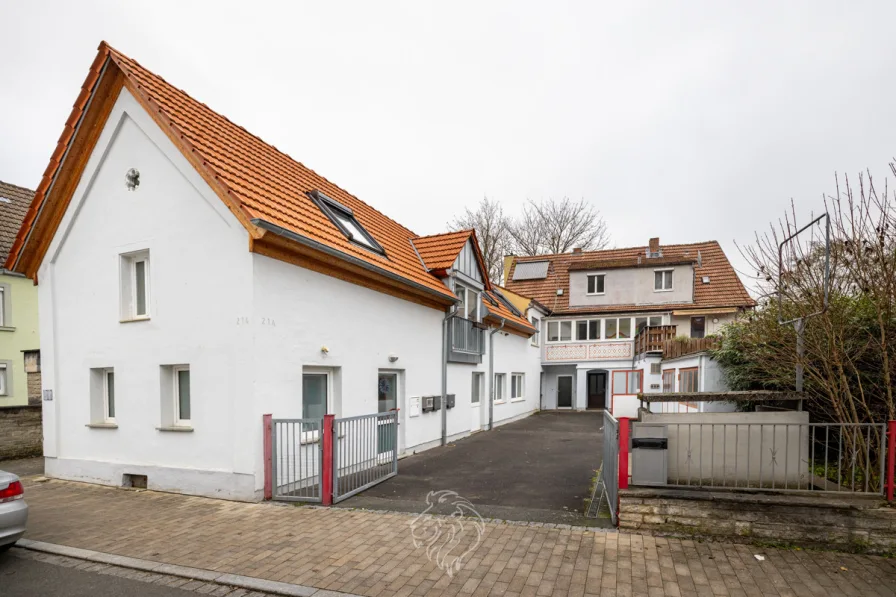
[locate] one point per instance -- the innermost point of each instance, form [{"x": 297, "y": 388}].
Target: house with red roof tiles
[
  {"x": 627, "y": 321},
  {"x": 193, "y": 278}
]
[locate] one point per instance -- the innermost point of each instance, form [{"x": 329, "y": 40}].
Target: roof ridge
[
  {"x": 466, "y": 231},
  {"x": 248, "y": 132},
  {"x": 546, "y": 256}
]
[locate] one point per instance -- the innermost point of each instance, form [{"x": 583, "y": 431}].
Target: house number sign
[{"x": 48, "y": 395}]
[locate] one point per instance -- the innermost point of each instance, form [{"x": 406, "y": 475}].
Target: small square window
[
  {"x": 135, "y": 286},
  {"x": 662, "y": 279},
  {"x": 344, "y": 219},
  {"x": 596, "y": 284}
]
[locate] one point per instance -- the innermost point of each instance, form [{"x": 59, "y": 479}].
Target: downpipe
[
  {"x": 443, "y": 406},
  {"x": 491, "y": 373}
]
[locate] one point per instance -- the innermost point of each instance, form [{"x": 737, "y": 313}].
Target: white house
[
  {"x": 193, "y": 278},
  {"x": 628, "y": 321}
]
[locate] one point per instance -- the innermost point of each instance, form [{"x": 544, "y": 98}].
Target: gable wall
[{"x": 200, "y": 285}]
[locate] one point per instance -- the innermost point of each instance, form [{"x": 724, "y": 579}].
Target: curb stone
[{"x": 238, "y": 581}]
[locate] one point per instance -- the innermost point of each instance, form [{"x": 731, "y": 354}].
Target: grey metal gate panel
[
  {"x": 606, "y": 490},
  {"x": 365, "y": 452},
  {"x": 296, "y": 459}
]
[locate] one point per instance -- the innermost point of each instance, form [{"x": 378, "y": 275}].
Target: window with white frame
[
  {"x": 315, "y": 394},
  {"x": 559, "y": 331},
  {"x": 477, "y": 387},
  {"x": 182, "y": 403},
  {"x": 135, "y": 286},
  {"x": 2, "y": 306},
  {"x": 537, "y": 325},
  {"x": 109, "y": 395},
  {"x": 595, "y": 283},
  {"x": 500, "y": 382},
  {"x": 588, "y": 329},
  {"x": 517, "y": 385},
  {"x": 469, "y": 302},
  {"x": 3, "y": 384},
  {"x": 662, "y": 280},
  {"x": 643, "y": 322},
  {"x": 618, "y": 328}
]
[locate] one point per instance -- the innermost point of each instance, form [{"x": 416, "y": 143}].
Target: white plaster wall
[
  {"x": 200, "y": 283},
  {"x": 632, "y": 286},
  {"x": 683, "y": 323}
]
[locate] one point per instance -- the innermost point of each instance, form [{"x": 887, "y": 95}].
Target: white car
[{"x": 13, "y": 510}]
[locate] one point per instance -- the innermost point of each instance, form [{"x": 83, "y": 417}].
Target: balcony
[
  {"x": 653, "y": 338},
  {"x": 662, "y": 339},
  {"x": 467, "y": 339}
]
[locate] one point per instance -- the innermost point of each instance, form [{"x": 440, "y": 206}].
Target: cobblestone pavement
[{"x": 373, "y": 553}]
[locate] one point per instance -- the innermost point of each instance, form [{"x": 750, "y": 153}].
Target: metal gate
[
  {"x": 365, "y": 452},
  {"x": 606, "y": 489},
  {"x": 297, "y": 459}
]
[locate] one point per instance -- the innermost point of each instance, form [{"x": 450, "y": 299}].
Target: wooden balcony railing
[
  {"x": 678, "y": 348},
  {"x": 661, "y": 338},
  {"x": 653, "y": 338}
]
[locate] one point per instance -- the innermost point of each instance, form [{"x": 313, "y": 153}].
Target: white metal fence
[
  {"x": 828, "y": 457},
  {"x": 296, "y": 459},
  {"x": 365, "y": 452}
]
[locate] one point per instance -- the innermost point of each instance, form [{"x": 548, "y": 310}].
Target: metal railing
[
  {"x": 830, "y": 457},
  {"x": 606, "y": 489},
  {"x": 296, "y": 459},
  {"x": 466, "y": 336},
  {"x": 365, "y": 452}
]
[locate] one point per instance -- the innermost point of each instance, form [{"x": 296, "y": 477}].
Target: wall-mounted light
[
  {"x": 393, "y": 358},
  {"x": 324, "y": 349},
  {"x": 715, "y": 320},
  {"x": 132, "y": 179}
]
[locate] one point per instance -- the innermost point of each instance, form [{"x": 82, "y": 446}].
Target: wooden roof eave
[{"x": 284, "y": 245}]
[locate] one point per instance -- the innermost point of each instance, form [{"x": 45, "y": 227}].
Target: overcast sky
[{"x": 690, "y": 123}]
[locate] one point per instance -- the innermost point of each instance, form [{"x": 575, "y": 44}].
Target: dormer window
[
  {"x": 662, "y": 280},
  {"x": 344, "y": 219},
  {"x": 595, "y": 283}
]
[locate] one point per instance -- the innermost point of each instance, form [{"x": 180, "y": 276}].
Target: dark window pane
[
  {"x": 110, "y": 393},
  {"x": 594, "y": 329},
  {"x": 183, "y": 394},
  {"x": 140, "y": 287},
  {"x": 581, "y": 330}
]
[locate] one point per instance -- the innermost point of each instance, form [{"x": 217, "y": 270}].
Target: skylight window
[{"x": 345, "y": 220}]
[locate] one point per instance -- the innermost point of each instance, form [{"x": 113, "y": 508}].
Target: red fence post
[
  {"x": 891, "y": 459},
  {"x": 268, "y": 471},
  {"x": 326, "y": 475},
  {"x": 623, "y": 452}
]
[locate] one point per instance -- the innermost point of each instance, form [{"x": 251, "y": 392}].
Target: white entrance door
[{"x": 477, "y": 410}]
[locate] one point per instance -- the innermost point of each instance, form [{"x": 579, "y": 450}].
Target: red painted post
[
  {"x": 326, "y": 475},
  {"x": 268, "y": 471},
  {"x": 891, "y": 459},
  {"x": 623, "y": 452}
]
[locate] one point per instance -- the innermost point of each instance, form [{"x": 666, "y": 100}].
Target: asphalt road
[
  {"x": 25, "y": 577},
  {"x": 536, "y": 469}
]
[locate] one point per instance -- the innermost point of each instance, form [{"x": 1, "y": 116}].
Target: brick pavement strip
[{"x": 373, "y": 553}]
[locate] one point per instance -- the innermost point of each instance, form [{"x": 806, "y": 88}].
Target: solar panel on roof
[{"x": 531, "y": 270}]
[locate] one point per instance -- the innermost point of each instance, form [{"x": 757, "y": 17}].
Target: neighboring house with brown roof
[
  {"x": 227, "y": 281},
  {"x": 19, "y": 338},
  {"x": 617, "y": 318}
]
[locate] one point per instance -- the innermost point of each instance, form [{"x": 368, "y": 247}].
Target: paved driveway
[{"x": 536, "y": 469}]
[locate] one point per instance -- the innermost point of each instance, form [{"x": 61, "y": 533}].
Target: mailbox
[
  {"x": 449, "y": 401},
  {"x": 650, "y": 449}
]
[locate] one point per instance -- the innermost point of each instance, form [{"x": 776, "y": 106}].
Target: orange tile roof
[
  {"x": 254, "y": 179},
  {"x": 499, "y": 310},
  {"x": 439, "y": 251},
  {"x": 724, "y": 289}
]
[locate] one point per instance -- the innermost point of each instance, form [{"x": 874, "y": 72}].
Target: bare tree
[
  {"x": 558, "y": 226},
  {"x": 491, "y": 226}
]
